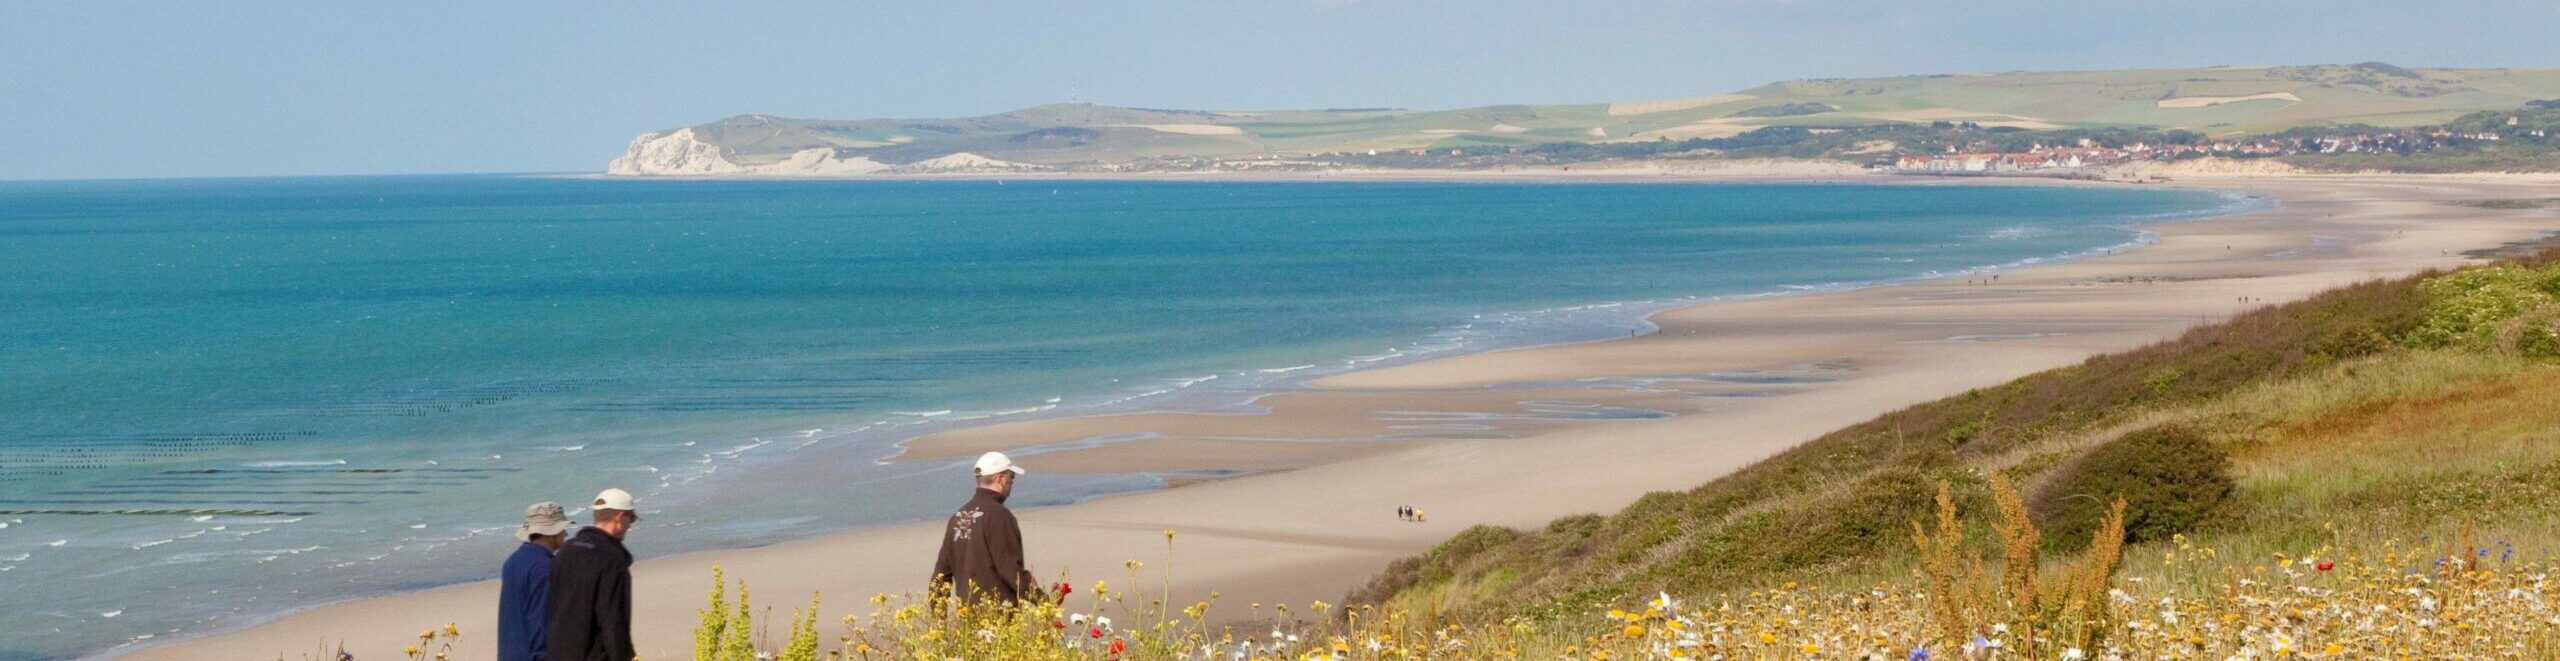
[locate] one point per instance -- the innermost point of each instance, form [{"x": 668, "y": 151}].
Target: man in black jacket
[
  {"x": 981, "y": 559},
  {"x": 591, "y": 587}
]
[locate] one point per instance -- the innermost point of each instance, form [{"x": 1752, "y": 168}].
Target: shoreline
[
  {"x": 2242, "y": 202},
  {"x": 1303, "y": 527}
]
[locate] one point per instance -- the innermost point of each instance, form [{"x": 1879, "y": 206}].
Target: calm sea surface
[{"x": 224, "y": 399}]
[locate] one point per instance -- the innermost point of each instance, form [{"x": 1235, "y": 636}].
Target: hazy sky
[{"x": 152, "y": 89}]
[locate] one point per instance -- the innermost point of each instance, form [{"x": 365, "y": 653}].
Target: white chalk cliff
[
  {"x": 678, "y": 153},
  {"x": 963, "y": 162}
]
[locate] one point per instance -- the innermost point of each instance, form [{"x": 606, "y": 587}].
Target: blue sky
[{"x": 155, "y": 89}]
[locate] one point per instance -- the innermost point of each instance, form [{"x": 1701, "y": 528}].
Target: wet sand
[{"x": 1297, "y": 503}]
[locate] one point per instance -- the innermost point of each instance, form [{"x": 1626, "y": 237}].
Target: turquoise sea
[{"x": 225, "y": 399}]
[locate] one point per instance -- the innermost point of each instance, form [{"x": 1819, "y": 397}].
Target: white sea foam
[
  {"x": 924, "y": 414},
  {"x": 1286, "y": 370},
  {"x": 732, "y": 453},
  {"x": 2016, "y": 232},
  {"x": 295, "y": 464}
]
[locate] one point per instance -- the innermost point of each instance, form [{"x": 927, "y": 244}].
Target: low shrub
[
  {"x": 2170, "y": 477},
  {"x": 2480, "y": 309}
]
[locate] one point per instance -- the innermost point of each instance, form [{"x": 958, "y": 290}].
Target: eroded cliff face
[
  {"x": 670, "y": 153},
  {"x": 678, "y": 153}
]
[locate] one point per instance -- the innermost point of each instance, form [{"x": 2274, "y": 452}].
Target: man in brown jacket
[{"x": 981, "y": 558}]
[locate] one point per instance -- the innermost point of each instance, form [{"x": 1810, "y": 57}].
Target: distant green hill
[{"x": 2220, "y": 100}]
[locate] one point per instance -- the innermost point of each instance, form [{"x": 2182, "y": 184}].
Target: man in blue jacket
[{"x": 524, "y": 586}]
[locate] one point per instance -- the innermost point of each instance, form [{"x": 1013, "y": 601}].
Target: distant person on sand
[
  {"x": 591, "y": 587},
  {"x": 524, "y": 585},
  {"x": 981, "y": 557}
]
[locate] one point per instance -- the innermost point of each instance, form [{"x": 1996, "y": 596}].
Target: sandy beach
[{"x": 1297, "y": 503}]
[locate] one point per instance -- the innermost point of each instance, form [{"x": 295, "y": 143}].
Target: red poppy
[
  {"x": 1066, "y": 589},
  {"x": 1057, "y": 624},
  {"x": 1096, "y": 632},
  {"x": 2327, "y": 565},
  {"x": 1118, "y": 645}
]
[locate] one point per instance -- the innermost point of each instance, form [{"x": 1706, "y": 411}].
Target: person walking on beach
[
  {"x": 981, "y": 559},
  {"x": 591, "y": 587},
  {"x": 524, "y": 584}
]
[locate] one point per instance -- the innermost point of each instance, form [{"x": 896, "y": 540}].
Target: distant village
[
  {"x": 2087, "y": 153},
  {"x": 1959, "y": 148}
]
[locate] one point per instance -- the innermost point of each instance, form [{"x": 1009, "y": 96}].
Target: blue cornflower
[{"x": 1921, "y": 653}]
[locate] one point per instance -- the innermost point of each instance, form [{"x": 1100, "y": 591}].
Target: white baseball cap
[
  {"x": 995, "y": 462},
  {"x": 612, "y": 499}
]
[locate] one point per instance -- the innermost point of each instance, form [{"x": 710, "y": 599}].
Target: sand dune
[
  {"x": 1187, "y": 129},
  {"x": 1923, "y": 115},
  {"x": 2208, "y": 101},
  {"x": 1649, "y": 107}
]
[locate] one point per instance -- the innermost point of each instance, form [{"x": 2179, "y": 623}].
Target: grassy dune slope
[{"x": 2359, "y": 412}]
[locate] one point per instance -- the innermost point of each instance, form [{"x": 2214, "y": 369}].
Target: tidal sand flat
[{"x": 233, "y": 399}]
